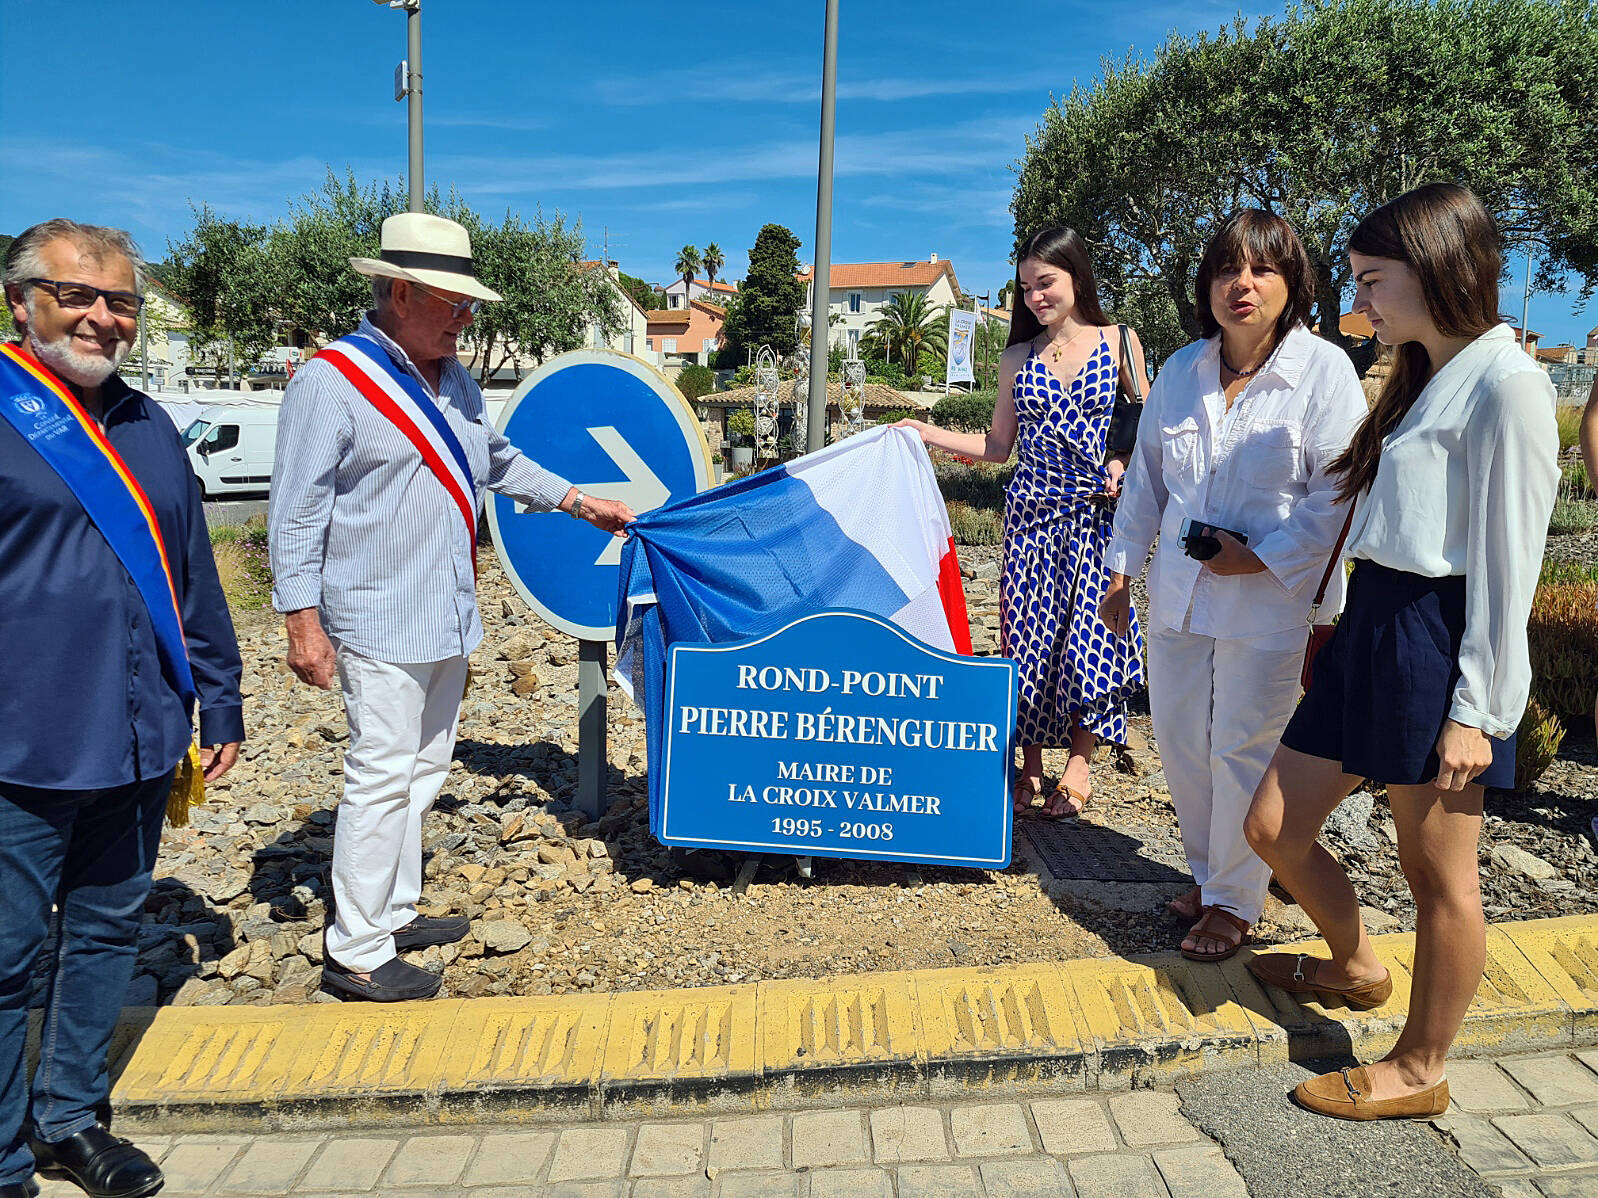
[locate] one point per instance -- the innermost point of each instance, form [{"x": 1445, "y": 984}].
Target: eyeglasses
[
  {"x": 78, "y": 296},
  {"x": 457, "y": 308}
]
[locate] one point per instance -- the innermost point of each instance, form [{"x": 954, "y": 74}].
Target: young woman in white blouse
[
  {"x": 1237, "y": 438},
  {"x": 1423, "y": 684}
]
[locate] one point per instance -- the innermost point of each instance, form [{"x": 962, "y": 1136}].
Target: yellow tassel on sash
[{"x": 188, "y": 788}]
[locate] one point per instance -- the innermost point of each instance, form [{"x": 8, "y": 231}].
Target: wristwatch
[{"x": 577, "y": 506}]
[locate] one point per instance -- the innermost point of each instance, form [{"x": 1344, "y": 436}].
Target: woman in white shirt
[
  {"x": 1423, "y": 684},
  {"x": 1238, "y": 437}
]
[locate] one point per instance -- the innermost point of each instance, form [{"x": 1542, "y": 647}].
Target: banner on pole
[{"x": 962, "y": 339}]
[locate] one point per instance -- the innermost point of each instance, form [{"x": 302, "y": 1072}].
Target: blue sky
[{"x": 666, "y": 124}]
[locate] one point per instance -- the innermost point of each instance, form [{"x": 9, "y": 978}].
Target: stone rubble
[{"x": 561, "y": 903}]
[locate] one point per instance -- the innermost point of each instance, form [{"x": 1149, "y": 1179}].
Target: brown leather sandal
[
  {"x": 1018, "y": 804},
  {"x": 1062, "y": 794},
  {"x": 1346, "y": 1095},
  {"x": 1217, "y": 923},
  {"x": 1286, "y": 971}
]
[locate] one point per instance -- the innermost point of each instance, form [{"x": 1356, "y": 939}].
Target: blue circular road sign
[{"x": 617, "y": 428}]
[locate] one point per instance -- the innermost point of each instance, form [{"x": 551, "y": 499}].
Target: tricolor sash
[
  {"x": 56, "y": 426},
  {"x": 400, "y": 398}
]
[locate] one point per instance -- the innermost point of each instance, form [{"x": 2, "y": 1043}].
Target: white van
[{"x": 232, "y": 448}]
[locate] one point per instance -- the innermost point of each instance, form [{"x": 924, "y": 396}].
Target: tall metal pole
[
  {"x": 816, "y": 433},
  {"x": 413, "y": 32},
  {"x": 144, "y": 353},
  {"x": 1525, "y": 303}
]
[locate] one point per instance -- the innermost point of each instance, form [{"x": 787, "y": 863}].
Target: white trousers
[
  {"x": 1219, "y": 708},
  {"x": 402, "y": 735}
]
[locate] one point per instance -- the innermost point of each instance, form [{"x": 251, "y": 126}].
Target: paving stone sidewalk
[{"x": 1525, "y": 1124}]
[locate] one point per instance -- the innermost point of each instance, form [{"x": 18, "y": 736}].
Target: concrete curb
[{"x": 1097, "y": 1024}]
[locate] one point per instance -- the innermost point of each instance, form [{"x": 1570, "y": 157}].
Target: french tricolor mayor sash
[
  {"x": 52, "y": 421},
  {"x": 373, "y": 372}
]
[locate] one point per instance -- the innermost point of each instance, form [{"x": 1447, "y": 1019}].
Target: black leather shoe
[
  {"x": 427, "y": 930},
  {"x": 20, "y": 1189},
  {"x": 392, "y": 981},
  {"x": 98, "y": 1163}
]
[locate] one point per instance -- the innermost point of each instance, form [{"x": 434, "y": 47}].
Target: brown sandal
[
  {"x": 1189, "y": 905},
  {"x": 1023, "y": 786},
  {"x": 1208, "y": 928},
  {"x": 1063, "y": 793}
]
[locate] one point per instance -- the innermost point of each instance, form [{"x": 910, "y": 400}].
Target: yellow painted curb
[{"x": 1100, "y": 1023}]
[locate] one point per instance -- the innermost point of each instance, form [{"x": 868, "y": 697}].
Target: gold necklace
[{"x": 1057, "y": 348}]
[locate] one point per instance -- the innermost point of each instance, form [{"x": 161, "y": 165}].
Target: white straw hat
[{"x": 426, "y": 249}]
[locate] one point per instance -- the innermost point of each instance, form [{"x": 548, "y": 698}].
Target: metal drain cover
[{"x": 1088, "y": 852}]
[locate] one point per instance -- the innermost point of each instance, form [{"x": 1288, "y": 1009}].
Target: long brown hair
[
  {"x": 1065, "y": 248},
  {"x": 1062, "y": 247},
  {"x": 1448, "y": 238}
]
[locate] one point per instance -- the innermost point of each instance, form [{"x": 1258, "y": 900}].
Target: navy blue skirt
[{"x": 1384, "y": 682}]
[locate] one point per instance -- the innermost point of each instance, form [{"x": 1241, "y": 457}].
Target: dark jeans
[{"x": 89, "y": 852}]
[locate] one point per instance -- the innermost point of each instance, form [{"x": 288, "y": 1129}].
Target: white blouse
[
  {"x": 1259, "y": 469},
  {"x": 1466, "y": 485}
]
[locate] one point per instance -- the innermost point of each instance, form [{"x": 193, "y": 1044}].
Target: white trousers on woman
[
  {"x": 1219, "y": 708},
  {"x": 402, "y": 735}
]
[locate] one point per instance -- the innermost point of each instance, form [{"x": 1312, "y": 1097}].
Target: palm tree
[
  {"x": 910, "y": 325},
  {"x": 713, "y": 262},
  {"x": 688, "y": 266}
]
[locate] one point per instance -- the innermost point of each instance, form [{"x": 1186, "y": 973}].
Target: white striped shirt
[{"x": 364, "y": 531}]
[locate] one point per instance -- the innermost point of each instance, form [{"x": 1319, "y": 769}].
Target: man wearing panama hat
[{"x": 384, "y": 453}]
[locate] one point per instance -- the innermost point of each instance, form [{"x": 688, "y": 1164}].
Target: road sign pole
[{"x": 592, "y": 753}]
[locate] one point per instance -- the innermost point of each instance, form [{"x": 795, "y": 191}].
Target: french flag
[{"x": 860, "y": 525}]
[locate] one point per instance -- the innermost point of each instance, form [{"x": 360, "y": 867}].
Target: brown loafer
[
  {"x": 1344, "y": 1095},
  {"x": 1286, "y": 971}
]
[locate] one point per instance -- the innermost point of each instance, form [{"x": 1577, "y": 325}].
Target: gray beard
[{"x": 85, "y": 370}]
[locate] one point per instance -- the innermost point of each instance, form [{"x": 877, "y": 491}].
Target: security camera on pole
[{"x": 408, "y": 83}]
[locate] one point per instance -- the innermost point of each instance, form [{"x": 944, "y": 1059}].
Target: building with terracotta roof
[
  {"x": 684, "y": 336},
  {"x": 858, "y": 291},
  {"x": 718, "y": 292}
]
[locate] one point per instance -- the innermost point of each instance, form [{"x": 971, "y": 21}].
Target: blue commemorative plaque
[
  {"x": 839, "y": 735},
  {"x": 614, "y": 426}
]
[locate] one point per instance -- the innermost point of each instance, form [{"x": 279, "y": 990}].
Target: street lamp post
[
  {"x": 820, "y": 297},
  {"x": 408, "y": 85}
]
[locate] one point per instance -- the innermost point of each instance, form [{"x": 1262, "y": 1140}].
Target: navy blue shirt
[{"x": 83, "y": 701}]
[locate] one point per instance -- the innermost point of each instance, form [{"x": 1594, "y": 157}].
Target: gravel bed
[{"x": 559, "y": 904}]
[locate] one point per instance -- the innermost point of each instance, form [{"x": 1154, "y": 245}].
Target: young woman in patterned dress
[{"x": 1059, "y": 378}]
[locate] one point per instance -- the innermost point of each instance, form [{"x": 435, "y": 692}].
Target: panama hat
[{"x": 426, "y": 249}]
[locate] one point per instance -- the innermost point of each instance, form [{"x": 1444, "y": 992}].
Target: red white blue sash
[
  {"x": 55, "y": 425},
  {"x": 401, "y": 399}
]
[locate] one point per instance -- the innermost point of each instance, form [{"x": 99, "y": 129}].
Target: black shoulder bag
[{"x": 1128, "y": 402}]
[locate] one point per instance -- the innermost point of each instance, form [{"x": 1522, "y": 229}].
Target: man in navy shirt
[{"x": 94, "y": 725}]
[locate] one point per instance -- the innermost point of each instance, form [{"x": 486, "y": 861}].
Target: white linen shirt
[
  {"x": 1465, "y": 486},
  {"x": 1260, "y": 469},
  {"x": 359, "y": 526}
]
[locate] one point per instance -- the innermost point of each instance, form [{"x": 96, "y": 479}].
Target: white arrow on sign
[{"x": 642, "y": 489}]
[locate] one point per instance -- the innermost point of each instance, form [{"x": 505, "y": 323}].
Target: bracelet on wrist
[{"x": 577, "y": 506}]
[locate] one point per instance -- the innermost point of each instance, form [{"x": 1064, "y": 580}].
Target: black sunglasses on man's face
[{"x": 79, "y": 296}]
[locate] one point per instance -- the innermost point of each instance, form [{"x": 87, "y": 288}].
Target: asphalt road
[{"x": 232, "y": 511}]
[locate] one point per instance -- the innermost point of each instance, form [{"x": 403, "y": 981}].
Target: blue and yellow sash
[{"x": 51, "y": 420}]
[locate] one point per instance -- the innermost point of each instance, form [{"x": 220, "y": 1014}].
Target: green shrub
[
  {"x": 975, "y": 526},
  {"x": 243, "y": 562},
  {"x": 695, "y": 381},
  {"x": 1562, "y": 637},
  {"x": 1569, "y": 419},
  {"x": 889, "y": 374},
  {"x": 1571, "y": 514},
  {"x": 1536, "y": 744},
  {"x": 741, "y": 422},
  {"x": 971, "y": 413},
  {"x": 1573, "y": 478},
  {"x": 1562, "y": 571},
  {"x": 893, "y": 415},
  {"x": 975, "y": 484}
]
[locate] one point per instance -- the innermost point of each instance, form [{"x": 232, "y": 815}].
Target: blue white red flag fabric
[
  {"x": 858, "y": 525},
  {"x": 399, "y": 397}
]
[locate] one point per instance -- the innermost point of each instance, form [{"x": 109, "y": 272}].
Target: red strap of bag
[{"x": 1337, "y": 555}]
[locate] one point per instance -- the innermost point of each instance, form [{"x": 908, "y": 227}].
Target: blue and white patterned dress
[{"x": 1071, "y": 669}]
